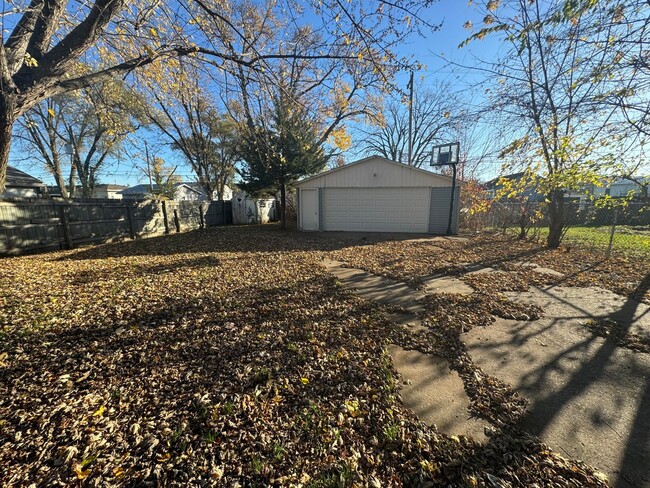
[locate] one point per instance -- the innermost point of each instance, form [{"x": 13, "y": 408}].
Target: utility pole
[
  {"x": 410, "y": 87},
  {"x": 146, "y": 155}
]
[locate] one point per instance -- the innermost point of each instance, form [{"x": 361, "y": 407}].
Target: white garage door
[{"x": 376, "y": 209}]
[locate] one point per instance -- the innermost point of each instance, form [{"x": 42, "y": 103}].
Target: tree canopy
[
  {"x": 279, "y": 148},
  {"x": 565, "y": 69},
  {"x": 45, "y": 38}
]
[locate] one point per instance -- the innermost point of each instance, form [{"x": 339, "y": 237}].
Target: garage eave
[{"x": 312, "y": 180}]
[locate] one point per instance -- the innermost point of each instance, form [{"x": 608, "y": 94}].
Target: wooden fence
[{"x": 49, "y": 224}]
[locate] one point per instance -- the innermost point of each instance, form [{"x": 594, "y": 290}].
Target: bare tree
[
  {"x": 87, "y": 127},
  {"x": 436, "y": 112},
  {"x": 332, "y": 91},
  {"x": 629, "y": 24},
  {"x": 41, "y": 133},
  {"x": 189, "y": 119},
  {"x": 37, "y": 56}
]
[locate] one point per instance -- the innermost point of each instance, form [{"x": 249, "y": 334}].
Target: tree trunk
[
  {"x": 221, "y": 187},
  {"x": 72, "y": 192},
  {"x": 283, "y": 205},
  {"x": 86, "y": 189},
  {"x": 60, "y": 182},
  {"x": 206, "y": 187},
  {"x": 58, "y": 173},
  {"x": 7, "y": 121},
  {"x": 557, "y": 220},
  {"x": 523, "y": 231}
]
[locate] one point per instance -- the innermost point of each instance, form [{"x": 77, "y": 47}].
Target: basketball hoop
[{"x": 447, "y": 155}]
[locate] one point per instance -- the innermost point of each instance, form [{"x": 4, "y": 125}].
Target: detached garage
[{"x": 376, "y": 195}]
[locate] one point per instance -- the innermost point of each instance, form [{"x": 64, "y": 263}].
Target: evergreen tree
[{"x": 278, "y": 150}]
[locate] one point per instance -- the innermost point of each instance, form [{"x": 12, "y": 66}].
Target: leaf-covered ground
[
  {"x": 229, "y": 357},
  {"x": 413, "y": 261},
  {"x": 615, "y": 332}
]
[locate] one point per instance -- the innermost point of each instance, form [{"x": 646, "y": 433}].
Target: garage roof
[{"x": 375, "y": 171}]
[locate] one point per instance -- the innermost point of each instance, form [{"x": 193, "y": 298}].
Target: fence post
[
  {"x": 611, "y": 234},
  {"x": 177, "y": 222},
  {"x": 202, "y": 224},
  {"x": 63, "y": 217},
  {"x": 129, "y": 215},
  {"x": 165, "y": 218}
]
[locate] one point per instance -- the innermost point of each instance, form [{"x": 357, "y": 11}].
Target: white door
[
  {"x": 309, "y": 209},
  {"x": 376, "y": 209}
]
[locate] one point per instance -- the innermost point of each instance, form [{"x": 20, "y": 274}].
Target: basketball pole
[
  {"x": 410, "y": 86},
  {"x": 451, "y": 203},
  {"x": 449, "y": 161}
]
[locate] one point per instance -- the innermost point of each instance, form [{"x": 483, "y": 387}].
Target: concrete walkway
[
  {"x": 429, "y": 388},
  {"x": 589, "y": 398},
  {"x": 377, "y": 288},
  {"x": 435, "y": 393},
  {"x": 446, "y": 284}
]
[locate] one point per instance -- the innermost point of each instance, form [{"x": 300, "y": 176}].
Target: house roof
[
  {"x": 20, "y": 179},
  {"x": 138, "y": 189},
  {"x": 145, "y": 189},
  {"x": 628, "y": 181},
  {"x": 512, "y": 176},
  {"x": 371, "y": 158},
  {"x": 112, "y": 187}
]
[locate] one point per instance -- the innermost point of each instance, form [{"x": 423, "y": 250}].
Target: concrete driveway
[{"x": 590, "y": 399}]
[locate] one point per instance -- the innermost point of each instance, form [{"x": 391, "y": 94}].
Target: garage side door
[{"x": 376, "y": 209}]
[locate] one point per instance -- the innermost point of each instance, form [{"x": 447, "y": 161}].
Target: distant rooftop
[
  {"x": 20, "y": 179},
  {"x": 146, "y": 188}
]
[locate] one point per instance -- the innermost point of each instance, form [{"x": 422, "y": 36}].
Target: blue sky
[{"x": 451, "y": 13}]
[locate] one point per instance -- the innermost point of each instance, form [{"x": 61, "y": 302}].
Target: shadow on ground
[{"x": 590, "y": 398}]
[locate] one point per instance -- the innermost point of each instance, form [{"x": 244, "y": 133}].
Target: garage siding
[
  {"x": 376, "y": 209},
  {"x": 375, "y": 173},
  {"x": 439, "y": 211}
]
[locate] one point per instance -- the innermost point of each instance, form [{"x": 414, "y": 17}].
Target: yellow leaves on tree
[
  {"x": 341, "y": 139},
  {"x": 30, "y": 61}
]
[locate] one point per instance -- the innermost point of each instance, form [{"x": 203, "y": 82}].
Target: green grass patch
[{"x": 627, "y": 240}]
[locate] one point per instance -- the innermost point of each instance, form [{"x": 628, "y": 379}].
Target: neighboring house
[
  {"x": 532, "y": 194},
  {"x": 111, "y": 192},
  {"x": 192, "y": 192},
  {"x": 227, "y": 191},
  {"x": 493, "y": 186},
  {"x": 622, "y": 187},
  {"x": 21, "y": 185},
  {"x": 377, "y": 195}
]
